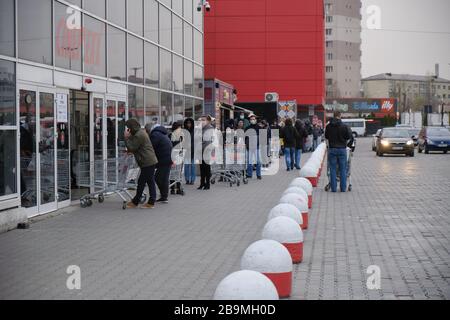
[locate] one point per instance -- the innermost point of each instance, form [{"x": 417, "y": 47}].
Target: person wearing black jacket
[
  {"x": 289, "y": 135},
  {"x": 163, "y": 149},
  {"x": 252, "y": 143},
  {"x": 300, "y": 142},
  {"x": 205, "y": 166},
  {"x": 338, "y": 135},
  {"x": 189, "y": 161}
]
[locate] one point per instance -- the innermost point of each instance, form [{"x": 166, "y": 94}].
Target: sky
[{"x": 414, "y": 36}]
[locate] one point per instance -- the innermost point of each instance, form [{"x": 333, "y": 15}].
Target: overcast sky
[{"x": 422, "y": 39}]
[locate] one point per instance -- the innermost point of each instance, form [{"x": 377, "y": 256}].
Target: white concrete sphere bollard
[
  {"x": 246, "y": 285},
  {"x": 310, "y": 173},
  {"x": 298, "y": 191},
  {"x": 274, "y": 261},
  {"x": 301, "y": 204},
  {"x": 287, "y": 232},
  {"x": 286, "y": 210}
]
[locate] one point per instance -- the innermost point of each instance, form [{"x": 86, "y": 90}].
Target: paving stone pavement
[{"x": 397, "y": 217}]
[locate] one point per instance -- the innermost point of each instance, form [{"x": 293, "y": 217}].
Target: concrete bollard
[
  {"x": 246, "y": 285},
  {"x": 286, "y": 210},
  {"x": 310, "y": 173},
  {"x": 298, "y": 191},
  {"x": 306, "y": 185},
  {"x": 300, "y": 204},
  {"x": 274, "y": 261},
  {"x": 287, "y": 232}
]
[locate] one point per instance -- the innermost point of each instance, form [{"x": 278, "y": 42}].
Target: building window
[
  {"x": 178, "y": 81},
  {"x": 165, "y": 69},
  {"x": 116, "y": 12},
  {"x": 35, "y": 30},
  {"x": 329, "y": 18},
  {"x": 136, "y": 104},
  {"x": 329, "y": 69},
  {"x": 328, "y": 31},
  {"x": 166, "y": 109},
  {"x": 188, "y": 10},
  {"x": 151, "y": 107},
  {"x": 198, "y": 109},
  {"x": 178, "y": 108},
  {"x": 177, "y": 41},
  {"x": 329, "y": 44},
  {"x": 117, "y": 54},
  {"x": 151, "y": 21},
  {"x": 189, "y": 108},
  {"x": 135, "y": 14},
  {"x": 187, "y": 41},
  {"x": 329, "y": 82},
  {"x": 198, "y": 47},
  {"x": 151, "y": 65},
  {"x": 68, "y": 45},
  {"x": 165, "y": 27},
  {"x": 198, "y": 81},
  {"x": 135, "y": 60},
  {"x": 7, "y": 27},
  {"x": 94, "y": 46},
  {"x": 8, "y": 129},
  {"x": 96, "y": 7},
  {"x": 188, "y": 77},
  {"x": 177, "y": 6},
  {"x": 330, "y": 56}
]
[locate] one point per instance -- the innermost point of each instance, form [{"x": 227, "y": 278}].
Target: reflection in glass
[
  {"x": 28, "y": 176},
  {"x": 151, "y": 21},
  {"x": 187, "y": 40},
  {"x": 116, "y": 12},
  {"x": 177, "y": 35},
  {"x": 67, "y": 41},
  {"x": 151, "y": 65},
  {"x": 198, "y": 81},
  {"x": 94, "y": 46},
  {"x": 198, "y": 108},
  {"x": 166, "y": 109},
  {"x": 165, "y": 27},
  {"x": 198, "y": 47},
  {"x": 178, "y": 84},
  {"x": 116, "y": 54},
  {"x": 35, "y": 30},
  {"x": 166, "y": 69},
  {"x": 151, "y": 107},
  {"x": 47, "y": 147},
  {"x": 96, "y": 7},
  {"x": 136, "y": 104},
  {"x": 99, "y": 164},
  {"x": 135, "y": 16},
  {"x": 178, "y": 108},
  {"x": 188, "y": 77},
  {"x": 189, "y": 108},
  {"x": 8, "y": 167},
  {"x": 135, "y": 60},
  {"x": 7, "y": 93},
  {"x": 63, "y": 164},
  {"x": 111, "y": 147},
  {"x": 121, "y": 119},
  {"x": 7, "y": 27},
  {"x": 187, "y": 10}
]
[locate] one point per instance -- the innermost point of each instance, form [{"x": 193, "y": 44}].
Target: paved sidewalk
[{"x": 397, "y": 217}]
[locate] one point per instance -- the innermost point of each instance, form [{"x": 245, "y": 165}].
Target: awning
[{"x": 234, "y": 108}]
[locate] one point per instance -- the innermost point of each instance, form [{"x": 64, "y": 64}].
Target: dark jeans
[
  {"x": 289, "y": 155},
  {"x": 162, "y": 180},
  {"x": 338, "y": 157},
  {"x": 147, "y": 177},
  {"x": 205, "y": 174}
]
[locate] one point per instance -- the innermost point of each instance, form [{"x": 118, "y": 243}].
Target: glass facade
[{"x": 153, "y": 47}]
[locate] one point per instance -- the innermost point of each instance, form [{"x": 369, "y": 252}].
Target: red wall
[{"x": 264, "y": 46}]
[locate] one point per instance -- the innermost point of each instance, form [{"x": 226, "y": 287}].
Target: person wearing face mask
[
  {"x": 205, "y": 167},
  {"x": 242, "y": 118},
  {"x": 252, "y": 142}
]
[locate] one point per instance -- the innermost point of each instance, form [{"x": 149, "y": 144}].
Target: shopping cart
[
  {"x": 176, "y": 173},
  {"x": 109, "y": 177},
  {"x": 226, "y": 168}
]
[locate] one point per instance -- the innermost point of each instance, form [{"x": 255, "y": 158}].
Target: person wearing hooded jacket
[
  {"x": 338, "y": 135},
  {"x": 189, "y": 166},
  {"x": 163, "y": 149},
  {"x": 138, "y": 143}
]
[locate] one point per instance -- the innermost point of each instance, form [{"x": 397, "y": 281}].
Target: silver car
[{"x": 374, "y": 140}]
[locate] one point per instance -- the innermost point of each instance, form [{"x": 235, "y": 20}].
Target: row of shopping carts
[{"x": 230, "y": 166}]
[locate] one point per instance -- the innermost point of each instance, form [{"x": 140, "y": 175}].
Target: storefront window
[
  {"x": 151, "y": 65},
  {"x": 96, "y": 7},
  {"x": 8, "y": 162},
  {"x": 7, "y": 46},
  {"x": 152, "y": 107},
  {"x": 177, "y": 35},
  {"x": 94, "y": 46},
  {"x": 178, "y": 84},
  {"x": 116, "y": 54},
  {"x": 68, "y": 46},
  {"x": 166, "y": 69},
  {"x": 136, "y": 104},
  {"x": 135, "y": 16},
  {"x": 135, "y": 60},
  {"x": 151, "y": 20},
  {"x": 165, "y": 27},
  {"x": 198, "y": 81},
  {"x": 116, "y": 12},
  {"x": 166, "y": 109},
  {"x": 178, "y": 108},
  {"x": 188, "y": 77},
  {"x": 187, "y": 41},
  {"x": 7, "y": 93},
  {"x": 189, "y": 108},
  {"x": 35, "y": 30}
]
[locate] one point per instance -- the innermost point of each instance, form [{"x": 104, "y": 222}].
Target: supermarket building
[{"x": 71, "y": 74}]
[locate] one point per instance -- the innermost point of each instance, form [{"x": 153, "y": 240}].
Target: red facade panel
[{"x": 267, "y": 46}]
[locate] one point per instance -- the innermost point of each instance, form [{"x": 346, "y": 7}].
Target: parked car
[
  {"x": 374, "y": 140},
  {"x": 434, "y": 139},
  {"x": 414, "y": 134},
  {"x": 395, "y": 141}
]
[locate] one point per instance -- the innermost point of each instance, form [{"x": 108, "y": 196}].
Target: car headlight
[
  {"x": 410, "y": 143},
  {"x": 385, "y": 143}
]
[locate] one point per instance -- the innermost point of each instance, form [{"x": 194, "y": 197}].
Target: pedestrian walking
[
  {"x": 338, "y": 135},
  {"x": 205, "y": 167},
  {"x": 163, "y": 150},
  {"x": 253, "y": 150},
  {"x": 317, "y": 136},
  {"x": 189, "y": 166},
  {"x": 299, "y": 142},
  {"x": 138, "y": 143},
  {"x": 289, "y": 135}
]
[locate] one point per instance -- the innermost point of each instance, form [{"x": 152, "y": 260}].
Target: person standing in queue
[
  {"x": 189, "y": 166},
  {"x": 252, "y": 142},
  {"x": 163, "y": 150},
  {"x": 338, "y": 135},
  {"x": 138, "y": 143},
  {"x": 205, "y": 166}
]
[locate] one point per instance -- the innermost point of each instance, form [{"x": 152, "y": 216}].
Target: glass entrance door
[{"x": 37, "y": 150}]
